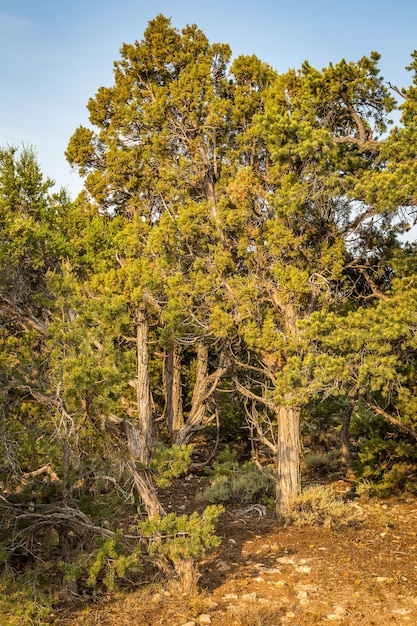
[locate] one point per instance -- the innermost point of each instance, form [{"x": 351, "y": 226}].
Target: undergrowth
[
  {"x": 231, "y": 482},
  {"x": 318, "y": 506}
]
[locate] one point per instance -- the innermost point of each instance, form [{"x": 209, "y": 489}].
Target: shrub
[
  {"x": 326, "y": 463},
  {"x": 318, "y": 506},
  {"x": 233, "y": 483}
]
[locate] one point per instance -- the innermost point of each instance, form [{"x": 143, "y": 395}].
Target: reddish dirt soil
[{"x": 264, "y": 574}]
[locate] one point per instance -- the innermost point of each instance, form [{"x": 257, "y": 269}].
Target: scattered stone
[
  {"x": 189, "y": 624},
  {"x": 302, "y": 596},
  {"x": 303, "y": 569},
  {"x": 338, "y": 614},
  {"x": 381, "y": 579},
  {"x": 167, "y": 593},
  {"x": 269, "y": 570},
  {"x": 232, "y": 541},
  {"x": 230, "y": 596},
  {"x": 300, "y": 587},
  {"x": 263, "y": 601},
  {"x": 204, "y": 618},
  {"x": 249, "y": 597},
  {"x": 259, "y": 579},
  {"x": 288, "y": 617},
  {"x": 401, "y": 611},
  {"x": 156, "y": 598},
  {"x": 222, "y": 566},
  {"x": 286, "y": 560}
]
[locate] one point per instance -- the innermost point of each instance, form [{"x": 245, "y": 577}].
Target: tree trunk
[
  {"x": 143, "y": 390},
  {"x": 188, "y": 575},
  {"x": 142, "y": 476},
  {"x": 346, "y": 447},
  {"x": 204, "y": 387},
  {"x": 288, "y": 458},
  {"x": 173, "y": 393}
]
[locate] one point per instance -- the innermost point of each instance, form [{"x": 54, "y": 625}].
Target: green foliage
[
  {"x": 386, "y": 459},
  {"x": 168, "y": 463},
  {"x": 228, "y": 207},
  {"x": 176, "y": 538},
  {"x": 23, "y": 601},
  {"x": 324, "y": 463},
  {"x": 230, "y": 482},
  {"x": 110, "y": 562},
  {"x": 182, "y": 537},
  {"x": 318, "y": 506},
  {"x": 225, "y": 464}
]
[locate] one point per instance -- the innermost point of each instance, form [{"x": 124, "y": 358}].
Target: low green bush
[{"x": 318, "y": 506}]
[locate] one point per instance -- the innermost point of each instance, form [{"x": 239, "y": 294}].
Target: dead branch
[{"x": 392, "y": 420}]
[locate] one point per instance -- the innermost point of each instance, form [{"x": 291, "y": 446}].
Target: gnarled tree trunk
[
  {"x": 143, "y": 390},
  {"x": 173, "y": 392},
  {"x": 346, "y": 447},
  {"x": 288, "y": 478},
  {"x": 204, "y": 387}
]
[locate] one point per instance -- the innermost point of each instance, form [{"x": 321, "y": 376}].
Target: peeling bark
[
  {"x": 204, "y": 388},
  {"x": 288, "y": 476},
  {"x": 143, "y": 390},
  {"x": 346, "y": 447},
  {"x": 173, "y": 392}
]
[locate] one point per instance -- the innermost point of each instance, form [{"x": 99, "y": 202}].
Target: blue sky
[{"x": 55, "y": 54}]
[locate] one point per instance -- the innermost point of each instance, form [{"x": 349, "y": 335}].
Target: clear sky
[{"x": 55, "y": 54}]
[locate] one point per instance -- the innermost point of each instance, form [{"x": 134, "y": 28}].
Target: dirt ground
[{"x": 264, "y": 574}]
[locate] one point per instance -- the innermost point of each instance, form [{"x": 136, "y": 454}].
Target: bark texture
[
  {"x": 173, "y": 392},
  {"x": 143, "y": 390},
  {"x": 288, "y": 458}
]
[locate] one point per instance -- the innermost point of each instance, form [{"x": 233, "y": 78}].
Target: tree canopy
[{"x": 236, "y": 257}]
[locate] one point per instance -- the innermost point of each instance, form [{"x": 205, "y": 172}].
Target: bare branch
[{"x": 393, "y": 420}]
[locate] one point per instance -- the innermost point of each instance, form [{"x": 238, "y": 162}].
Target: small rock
[
  {"x": 230, "y": 596},
  {"x": 301, "y": 594},
  {"x": 286, "y": 560},
  {"x": 300, "y": 587},
  {"x": 381, "y": 579},
  {"x": 263, "y": 601},
  {"x": 156, "y": 598},
  {"x": 204, "y": 618},
  {"x": 401, "y": 611},
  {"x": 269, "y": 570},
  {"x": 249, "y": 597},
  {"x": 222, "y": 566},
  {"x": 259, "y": 579},
  {"x": 338, "y": 613},
  {"x": 339, "y": 610},
  {"x": 303, "y": 569},
  {"x": 232, "y": 541},
  {"x": 167, "y": 593},
  {"x": 189, "y": 624}
]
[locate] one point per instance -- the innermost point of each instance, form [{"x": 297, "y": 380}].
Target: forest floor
[{"x": 264, "y": 574}]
